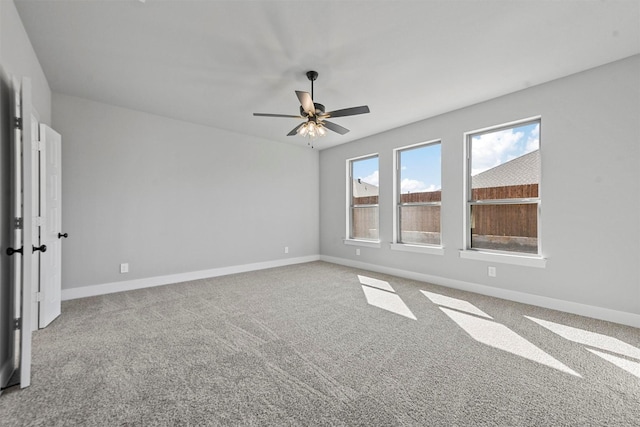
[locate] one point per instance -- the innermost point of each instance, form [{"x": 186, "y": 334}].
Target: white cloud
[
  {"x": 535, "y": 132},
  {"x": 492, "y": 149},
  {"x": 415, "y": 186},
  {"x": 533, "y": 143},
  {"x": 372, "y": 179}
]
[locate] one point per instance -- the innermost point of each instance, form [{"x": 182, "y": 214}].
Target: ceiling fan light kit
[{"x": 314, "y": 113}]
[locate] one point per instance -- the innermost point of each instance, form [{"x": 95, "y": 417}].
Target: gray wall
[
  {"x": 172, "y": 197},
  {"x": 19, "y": 59},
  {"x": 590, "y": 190}
]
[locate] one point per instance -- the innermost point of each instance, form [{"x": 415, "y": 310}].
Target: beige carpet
[{"x": 320, "y": 344}]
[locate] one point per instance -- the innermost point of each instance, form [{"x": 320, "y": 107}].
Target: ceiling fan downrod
[{"x": 312, "y": 75}]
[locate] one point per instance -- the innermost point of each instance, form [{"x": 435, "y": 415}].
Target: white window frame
[
  {"x": 397, "y": 245},
  {"x": 481, "y": 254},
  {"x": 349, "y": 239}
]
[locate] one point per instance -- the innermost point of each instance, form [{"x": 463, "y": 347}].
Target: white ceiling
[{"x": 217, "y": 62}]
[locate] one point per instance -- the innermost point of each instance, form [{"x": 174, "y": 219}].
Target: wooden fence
[
  {"x": 487, "y": 220},
  {"x": 505, "y": 220},
  {"x": 419, "y": 219}
]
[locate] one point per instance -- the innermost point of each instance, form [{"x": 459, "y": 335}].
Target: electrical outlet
[
  {"x": 124, "y": 268},
  {"x": 286, "y": 249},
  {"x": 491, "y": 271},
  {"x": 358, "y": 251}
]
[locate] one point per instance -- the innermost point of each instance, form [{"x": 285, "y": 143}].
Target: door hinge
[
  {"x": 18, "y": 223},
  {"x": 37, "y": 221},
  {"x": 17, "y": 123},
  {"x": 17, "y": 324},
  {"x": 39, "y": 297},
  {"x": 36, "y": 145}
]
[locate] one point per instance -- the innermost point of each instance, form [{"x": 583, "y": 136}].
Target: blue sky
[
  {"x": 492, "y": 149},
  {"x": 366, "y": 170},
  {"x": 421, "y": 170}
]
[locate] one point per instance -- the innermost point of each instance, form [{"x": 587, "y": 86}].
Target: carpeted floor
[{"x": 321, "y": 344}]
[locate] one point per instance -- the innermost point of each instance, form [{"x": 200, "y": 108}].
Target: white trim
[
  {"x": 431, "y": 250},
  {"x": 523, "y": 260},
  {"x": 397, "y": 191},
  {"x": 365, "y": 243},
  {"x": 109, "y": 288},
  {"x": 349, "y": 183},
  {"x": 365, "y": 156},
  {"x": 503, "y": 126},
  {"x": 622, "y": 317},
  {"x": 347, "y": 211},
  {"x": 467, "y": 178}
]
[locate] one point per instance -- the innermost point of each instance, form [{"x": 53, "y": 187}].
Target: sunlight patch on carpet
[
  {"x": 376, "y": 283},
  {"x": 387, "y": 301},
  {"x": 592, "y": 339},
  {"x": 499, "y": 336},
  {"x": 455, "y": 303},
  {"x": 628, "y": 365}
]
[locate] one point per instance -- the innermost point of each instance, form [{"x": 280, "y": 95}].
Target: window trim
[
  {"x": 422, "y": 249},
  {"x": 508, "y": 257},
  {"x": 349, "y": 239},
  {"x": 364, "y": 243},
  {"x": 513, "y": 258},
  {"x": 397, "y": 244}
]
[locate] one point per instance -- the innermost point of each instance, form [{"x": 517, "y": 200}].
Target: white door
[
  {"x": 14, "y": 247},
  {"x": 50, "y": 296},
  {"x": 24, "y": 281},
  {"x": 35, "y": 218}
]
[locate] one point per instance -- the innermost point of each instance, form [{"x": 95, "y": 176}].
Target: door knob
[
  {"x": 65, "y": 235},
  {"x": 11, "y": 251},
  {"x": 41, "y": 248}
]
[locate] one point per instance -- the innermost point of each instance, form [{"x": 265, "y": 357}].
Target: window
[
  {"x": 503, "y": 205},
  {"x": 363, "y": 198},
  {"x": 418, "y": 194}
]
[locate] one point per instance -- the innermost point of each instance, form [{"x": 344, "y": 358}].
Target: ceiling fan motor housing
[
  {"x": 315, "y": 117},
  {"x": 318, "y": 107}
]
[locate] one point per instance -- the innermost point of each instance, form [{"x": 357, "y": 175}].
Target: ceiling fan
[{"x": 315, "y": 116}]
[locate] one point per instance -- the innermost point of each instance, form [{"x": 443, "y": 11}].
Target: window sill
[
  {"x": 365, "y": 243},
  {"x": 523, "y": 260},
  {"x": 431, "y": 250}
]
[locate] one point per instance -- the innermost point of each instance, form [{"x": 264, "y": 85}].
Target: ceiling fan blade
[
  {"x": 306, "y": 102},
  {"x": 334, "y": 127},
  {"x": 276, "y": 115},
  {"x": 347, "y": 112},
  {"x": 295, "y": 129}
]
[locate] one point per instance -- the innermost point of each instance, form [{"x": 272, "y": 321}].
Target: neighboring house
[
  {"x": 363, "y": 189},
  {"x": 519, "y": 171}
]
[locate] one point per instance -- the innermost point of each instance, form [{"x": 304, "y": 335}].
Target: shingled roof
[
  {"x": 364, "y": 189},
  {"x": 519, "y": 171}
]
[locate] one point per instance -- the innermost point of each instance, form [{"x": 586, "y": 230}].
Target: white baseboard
[
  {"x": 109, "y": 288},
  {"x": 601, "y": 313}
]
